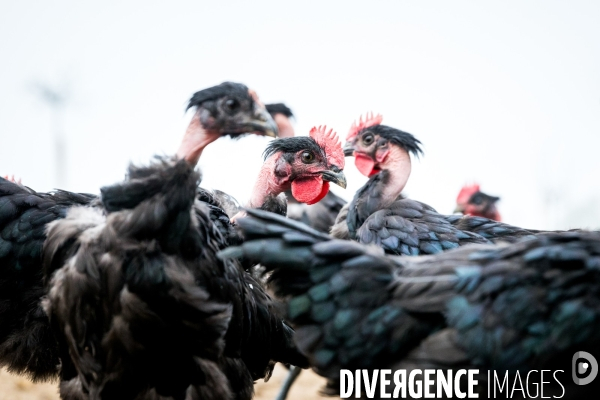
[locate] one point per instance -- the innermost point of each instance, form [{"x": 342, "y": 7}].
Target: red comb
[
  {"x": 370, "y": 120},
  {"x": 329, "y": 141},
  {"x": 466, "y": 192}
]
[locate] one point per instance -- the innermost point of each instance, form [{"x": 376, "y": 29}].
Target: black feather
[
  {"x": 141, "y": 303},
  {"x": 27, "y": 343},
  {"x": 320, "y": 216},
  {"x": 400, "y": 138},
  {"x": 293, "y": 145},
  {"x": 519, "y": 307},
  {"x": 279, "y": 108},
  {"x": 236, "y": 90}
]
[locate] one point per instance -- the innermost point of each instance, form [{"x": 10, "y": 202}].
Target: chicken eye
[
  {"x": 368, "y": 139},
  {"x": 307, "y": 157},
  {"x": 232, "y": 104}
]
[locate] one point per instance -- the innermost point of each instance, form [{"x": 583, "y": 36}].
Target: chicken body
[
  {"x": 27, "y": 344},
  {"x": 379, "y": 214},
  {"x": 507, "y": 308},
  {"x": 143, "y": 305},
  {"x": 404, "y": 227}
]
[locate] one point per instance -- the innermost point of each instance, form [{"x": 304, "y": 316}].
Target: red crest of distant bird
[
  {"x": 329, "y": 141},
  {"x": 364, "y": 163},
  {"x": 466, "y": 192},
  {"x": 472, "y": 201},
  {"x": 370, "y": 120}
]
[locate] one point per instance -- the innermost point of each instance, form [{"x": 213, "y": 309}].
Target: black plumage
[
  {"x": 224, "y": 90},
  {"x": 142, "y": 304},
  {"x": 405, "y": 226},
  {"x": 519, "y": 307},
  {"x": 290, "y": 146},
  {"x": 492, "y": 230},
  {"x": 397, "y": 137},
  {"x": 320, "y": 216},
  {"x": 222, "y": 207},
  {"x": 279, "y": 108},
  {"x": 26, "y": 342}
]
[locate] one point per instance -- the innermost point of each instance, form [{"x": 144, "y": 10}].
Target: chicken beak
[
  {"x": 336, "y": 177},
  {"x": 260, "y": 122},
  {"x": 459, "y": 209},
  {"x": 265, "y": 123},
  {"x": 348, "y": 149}
]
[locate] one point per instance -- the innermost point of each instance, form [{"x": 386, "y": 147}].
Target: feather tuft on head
[
  {"x": 329, "y": 141},
  {"x": 370, "y": 120}
]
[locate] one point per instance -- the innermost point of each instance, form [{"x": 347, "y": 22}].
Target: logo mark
[{"x": 582, "y": 367}]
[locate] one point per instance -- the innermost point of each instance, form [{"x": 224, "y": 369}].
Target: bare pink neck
[
  {"x": 268, "y": 184},
  {"x": 284, "y": 126},
  {"x": 398, "y": 165},
  {"x": 195, "y": 139}
]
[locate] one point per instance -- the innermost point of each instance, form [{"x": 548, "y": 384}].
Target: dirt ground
[{"x": 307, "y": 387}]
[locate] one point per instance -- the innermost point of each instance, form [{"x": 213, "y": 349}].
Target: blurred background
[{"x": 506, "y": 93}]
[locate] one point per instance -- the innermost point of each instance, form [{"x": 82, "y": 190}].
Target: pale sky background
[{"x": 503, "y": 93}]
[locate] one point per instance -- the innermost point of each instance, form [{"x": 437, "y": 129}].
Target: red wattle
[
  {"x": 309, "y": 190},
  {"x": 472, "y": 210},
  {"x": 324, "y": 191},
  {"x": 365, "y": 165}
]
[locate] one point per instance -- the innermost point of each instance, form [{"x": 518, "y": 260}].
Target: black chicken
[
  {"x": 141, "y": 305},
  {"x": 320, "y": 216},
  {"x": 25, "y": 342},
  {"x": 302, "y": 167},
  {"x": 379, "y": 213},
  {"x": 28, "y": 344},
  {"x": 520, "y": 307},
  {"x": 472, "y": 201}
]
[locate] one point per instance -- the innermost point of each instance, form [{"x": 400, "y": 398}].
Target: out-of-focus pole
[{"x": 56, "y": 101}]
